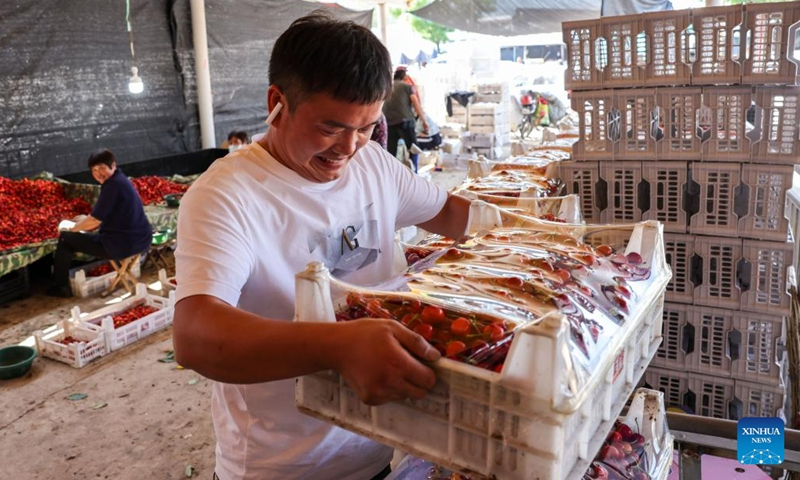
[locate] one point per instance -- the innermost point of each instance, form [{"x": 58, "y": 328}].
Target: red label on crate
[{"x": 619, "y": 364}]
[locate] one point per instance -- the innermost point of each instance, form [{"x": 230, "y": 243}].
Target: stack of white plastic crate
[
  {"x": 680, "y": 125},
  {"x": 489, "y": 128}
]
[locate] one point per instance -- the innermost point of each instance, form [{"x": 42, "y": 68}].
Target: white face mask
[{"x": 233, "y": 148}]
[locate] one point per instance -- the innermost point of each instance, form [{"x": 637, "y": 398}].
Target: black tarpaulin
[
  {"x": 508, "y": 17},
  {"x": 65, "y": 66}
]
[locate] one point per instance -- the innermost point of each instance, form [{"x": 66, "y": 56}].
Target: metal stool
[{"x": 124, "y": 274}]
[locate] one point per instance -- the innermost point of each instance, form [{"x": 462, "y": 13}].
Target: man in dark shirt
[
  {"x": 399, "y": 110},
  {"x": 119, "y": 215}
]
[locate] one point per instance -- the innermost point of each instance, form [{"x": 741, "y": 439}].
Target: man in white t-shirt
[{"x": 259, "y": 216}]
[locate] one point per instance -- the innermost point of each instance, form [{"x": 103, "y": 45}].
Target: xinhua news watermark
[{"x": 760, "y": 441}]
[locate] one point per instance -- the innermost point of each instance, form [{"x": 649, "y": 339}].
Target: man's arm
[
  {"x": 451, "y": 221},
  {"x": 375, "y": 357},
  {"x": 420, "y": 113},
  {"x": 86, "y": 225}
]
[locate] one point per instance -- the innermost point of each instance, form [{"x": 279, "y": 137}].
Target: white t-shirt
[{"x": 246, "y": 227}]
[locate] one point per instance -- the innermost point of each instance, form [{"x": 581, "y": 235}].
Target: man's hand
[{"x": 381, "y": 361}]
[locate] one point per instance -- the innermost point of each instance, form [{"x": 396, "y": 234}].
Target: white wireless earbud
[{"x": 274, "y": 113}]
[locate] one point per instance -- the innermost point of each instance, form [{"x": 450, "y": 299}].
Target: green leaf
[
  {"x": 98, "y": 406},
  {"x": 77, "y": 396}
]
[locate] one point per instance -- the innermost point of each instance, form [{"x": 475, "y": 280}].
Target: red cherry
[
  {"x": 498, "y": 368},
  {"x": 636, "y": 440},
  {"x": 604, "y": 250},
  {"x": 614, "y": 437},
  {"x": 609, "y": 452},
  {"x": 460, "y": 326},
  {"x": 454, "y": 348},
  {"x": 424, "y": 330},
  {"x": 598, "y": 471},
  {"x": 432, "y": 315},
  {"x": 625, "y": 431},
  {"x": 494, "y": 331},
  {"x": 634, "y": 258},
  {"x": 515, "y": 282},
  {"x": 626, "y": 448}
]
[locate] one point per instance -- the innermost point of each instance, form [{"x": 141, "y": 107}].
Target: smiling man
[{"x": 314, "y": 188}]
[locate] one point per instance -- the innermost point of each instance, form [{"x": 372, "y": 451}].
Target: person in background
[
  {"x": 399, "y": 110},
  {"x": 313, "y": 188},
  {"x": 380, "y": 132},
  {"x": 431, "y": 139},
  {"x": 118, "y": 217},
  {"x": 236, "y": 140}
]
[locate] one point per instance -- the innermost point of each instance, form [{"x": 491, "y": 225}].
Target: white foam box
[
  {"x": 486, "y": 140},
  {"x": 91, "y": 344},
  {"x": 486, "y": 108},
  {"x": 84, "y": 286},
  {"x": 487, "y": 129},
  {"x": 458, "y": 118},
  {"x": 102, "y": 320},
  {"x": 542, "y": 417},
  {"x": 451, "y": 146},
  {"x": 451, "y": 130}
]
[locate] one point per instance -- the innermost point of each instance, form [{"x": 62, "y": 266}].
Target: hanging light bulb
[{"x": 135, "y": 85}]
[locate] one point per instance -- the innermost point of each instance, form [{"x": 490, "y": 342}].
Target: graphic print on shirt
[{"x": 350, "y": 246}]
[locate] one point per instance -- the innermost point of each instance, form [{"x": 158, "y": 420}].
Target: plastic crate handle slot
[
  {"x": 741, "y": 200},
  {"x": 644, "y": 196},
  {"x": 689, "y": 44},
  {"x": 601, "y": 195},
  {"x": 691, "y": 196},
  {"x": 614, "y": 125},
  {"x": 736, "y": 44},
  {"x": 754, "y": 135},
  {"x": 642, "y": 49},
  {"x": 687, "y": 338},
  {"x": 735, "y": 409},
  {"x": 734, "y": 344},
  {"x": 792, "y": 47},
  {"x": 696, "y": 270},
  {"x": 744, "y": 271}
]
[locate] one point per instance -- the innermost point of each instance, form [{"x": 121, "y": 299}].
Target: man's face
[
  {"x": 101, "y": 172},
  {"x": 320, "y": 137}
]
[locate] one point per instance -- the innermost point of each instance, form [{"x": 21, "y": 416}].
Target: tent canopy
[{"x": 508, "y": 17}]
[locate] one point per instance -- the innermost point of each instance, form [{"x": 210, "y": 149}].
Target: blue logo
[{"x": 760, "y": 440}]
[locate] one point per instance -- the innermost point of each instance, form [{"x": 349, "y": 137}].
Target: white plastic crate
[
  {"x": 83, "y": 286},
  {"x": 724, "y": 124},
  {"x": 766, "y": 188},
  {"x": 693, "y": 393},
  {"x": 696, "y": 339},
  {"x": 101, "y": 320},
  {"x": 598, "y": 125},
  {"x": 764, "y": 277},
  {"x": 549, "y": 422},
  {"x": 581, "y": 179},
  {"x": 679, "y": 250},
  {"x": 637, "y": 139},
  {"x": 757, "y": 400},
  {"x": 714, "y": 274},
  {"x": 716, "y": 186},
  {"x": 778, "y": 142},
  {"x": 623, "y": 201},
  {"x": 757, "y": 348},
  {"x": 664, "y": 193},
  {"x": 91, "y": 345},
  {"x": 676, "y": 110}
]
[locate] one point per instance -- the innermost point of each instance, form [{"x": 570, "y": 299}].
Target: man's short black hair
[
  {"x": 102, "y": 156},
  {"x": 240, "y": 134},
  {"x": 399, "y": 74},
  {"x": 320, "y": 54}
]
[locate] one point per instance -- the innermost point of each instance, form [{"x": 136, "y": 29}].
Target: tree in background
[{"x": 428, "y": 30}]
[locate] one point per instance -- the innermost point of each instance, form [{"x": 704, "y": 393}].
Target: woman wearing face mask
[{"x": 237, "y": 140}]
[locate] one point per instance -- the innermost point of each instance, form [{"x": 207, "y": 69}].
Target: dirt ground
[{"x": 141, "y": 418}]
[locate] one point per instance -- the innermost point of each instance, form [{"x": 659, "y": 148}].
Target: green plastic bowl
[
  {"x": 161, "y": 237},
  {"x": 15, "y": 361},
  {"x": 173, "y": 199}
]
